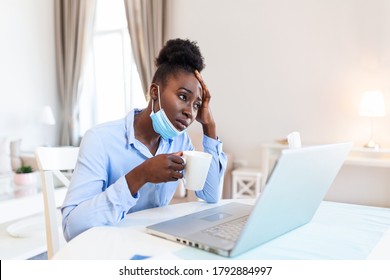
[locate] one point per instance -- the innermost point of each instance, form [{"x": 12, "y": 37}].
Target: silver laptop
[{"x": 295, "y": 189}]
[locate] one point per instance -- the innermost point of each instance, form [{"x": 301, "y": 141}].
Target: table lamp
[{"x": 372, "y": 105}]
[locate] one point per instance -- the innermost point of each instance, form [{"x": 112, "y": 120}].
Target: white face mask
[{"x": 161, "y": 123}]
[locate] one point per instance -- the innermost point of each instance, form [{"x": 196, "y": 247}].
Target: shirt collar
[
  {"x": 129, "y": 124},
  {"x": 130, "y": 136}
]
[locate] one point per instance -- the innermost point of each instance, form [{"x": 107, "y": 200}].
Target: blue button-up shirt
[{"x": 98, "y": 193}]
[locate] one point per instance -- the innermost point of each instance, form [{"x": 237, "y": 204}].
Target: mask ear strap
[{"x": 158, "y": 94}]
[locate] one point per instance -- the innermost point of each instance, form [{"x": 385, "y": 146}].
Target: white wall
[
  {"x": 27, "y": 70},
  {"x": 274, "y": 66}
]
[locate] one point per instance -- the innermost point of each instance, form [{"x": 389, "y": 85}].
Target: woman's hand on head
[{"x": 204, "y": 115}]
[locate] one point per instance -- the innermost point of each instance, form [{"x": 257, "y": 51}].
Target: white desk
[
  {"x": 357, "y": 157},
  {"x": 337, "y": 231},
  {"x": 23, "y": 205}
]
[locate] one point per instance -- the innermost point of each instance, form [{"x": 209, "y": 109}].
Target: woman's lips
[{"x": 182, "y": 124}]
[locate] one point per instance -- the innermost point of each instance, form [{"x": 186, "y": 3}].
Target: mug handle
[{"x": 184, "y": 163}]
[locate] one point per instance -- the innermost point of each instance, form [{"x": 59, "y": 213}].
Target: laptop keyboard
[{"x": 229, "y": 230}]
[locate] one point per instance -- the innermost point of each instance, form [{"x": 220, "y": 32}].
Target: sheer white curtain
[
  {"x": 74, "y": 27},
  {"x": 111, "y": 86},
  {"x": 145, "y": 20}
]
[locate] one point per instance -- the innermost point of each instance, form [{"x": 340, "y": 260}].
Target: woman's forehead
[{"x": 184, "y": 80}]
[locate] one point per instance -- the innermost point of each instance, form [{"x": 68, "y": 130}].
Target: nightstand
[{"x": 246, "y": 183}]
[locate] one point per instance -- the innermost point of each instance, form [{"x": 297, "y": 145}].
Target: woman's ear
[{"x": 153, "y": 90}]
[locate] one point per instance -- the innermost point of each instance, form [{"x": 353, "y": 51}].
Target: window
[{"x": 112, "y": 86}]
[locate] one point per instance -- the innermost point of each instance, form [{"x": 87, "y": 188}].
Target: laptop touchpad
[{"x": 216, "y": 217}]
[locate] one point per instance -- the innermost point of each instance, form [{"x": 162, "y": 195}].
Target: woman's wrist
[
  {"x": 210, "y": 130},
  {"x": 135, "y": 180}
]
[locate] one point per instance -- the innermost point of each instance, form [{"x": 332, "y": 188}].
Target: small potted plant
[{"x": 24, "y": 175}]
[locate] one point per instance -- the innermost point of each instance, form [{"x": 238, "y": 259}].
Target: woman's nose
[{"x": 188, "y": 111}]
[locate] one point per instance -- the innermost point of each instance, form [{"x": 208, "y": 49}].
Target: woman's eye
[
  {"x": 197, "y": 106},
  {"x": 183, "y": 97}
]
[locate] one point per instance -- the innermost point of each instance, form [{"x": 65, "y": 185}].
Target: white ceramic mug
[{"x": 197, "y": 166}]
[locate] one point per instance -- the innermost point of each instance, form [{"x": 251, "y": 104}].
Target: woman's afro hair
[
  {"x": 178, "y": 52},
  {"x": 176, "y": 55}
]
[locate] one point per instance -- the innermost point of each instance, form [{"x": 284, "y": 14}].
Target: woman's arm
[
  {"x": 213, "y": 186},
  {"x": 99, "y": 194},
  {"x": 212, "y": 189},
  {"x": 89, "y": 201}
]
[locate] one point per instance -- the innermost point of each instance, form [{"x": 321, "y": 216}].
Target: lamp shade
[
  {"x": 47, "y": 116},
  {"x": 372, "y": 104}
]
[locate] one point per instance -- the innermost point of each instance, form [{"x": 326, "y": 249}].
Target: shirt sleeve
[
  {"x": 212, "y": 189},
  {"x": 89, "y": 201}
]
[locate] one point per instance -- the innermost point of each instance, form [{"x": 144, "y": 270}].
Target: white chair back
[{"x": 51, "y": 161}]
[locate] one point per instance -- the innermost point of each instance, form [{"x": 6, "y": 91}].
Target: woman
[{"x": 134, "y": 163}]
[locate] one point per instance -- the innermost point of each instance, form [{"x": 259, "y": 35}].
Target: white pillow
[{"x": 5, "y": 159}]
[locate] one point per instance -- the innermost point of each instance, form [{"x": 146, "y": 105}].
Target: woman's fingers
[
  {"x": 176, "y": 159},
  {"x": 176, "y": 166},
  {"x": 176, "y": 175},
  {"x": 205, "y": 91}
]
